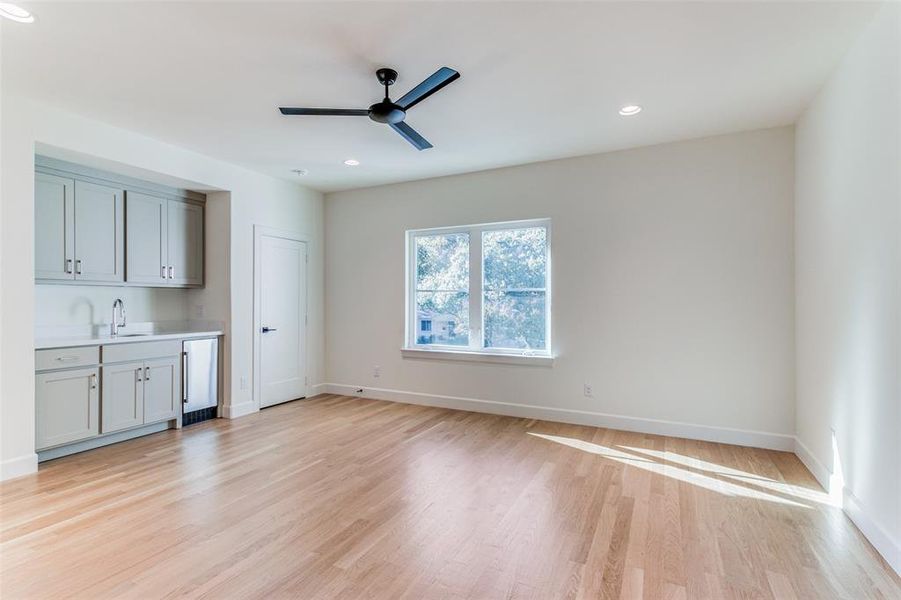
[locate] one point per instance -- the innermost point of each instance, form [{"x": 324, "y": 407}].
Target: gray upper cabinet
[
  {"x": 146, "y": 247},
  {"x": 54, "y": 218},
  {"x": 185, "y": 229},
  {"x": 164, "y": 241},
  {"x": 79, "y": 230},
  {"x": 99, "y": 233},
  {"x": 102, "y": 228}
]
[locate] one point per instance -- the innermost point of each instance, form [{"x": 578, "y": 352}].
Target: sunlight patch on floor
[
  {"x": 802, "y": 493},
  {"x": 652, "y": 465}
]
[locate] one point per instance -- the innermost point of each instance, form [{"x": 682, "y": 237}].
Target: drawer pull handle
[
  {"x": 93, "y": 381},
  {"x": 146, "y": 373},
  {"x": 171, "y": 273},
  {"x": 66, "y": 358},
  {"x": 68, "y": 265},
  {"x": 138, "y": 373},
  {"x": 78, "y": 266}
]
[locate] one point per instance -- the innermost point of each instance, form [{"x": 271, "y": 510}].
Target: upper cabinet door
[
  {"x": 99, "y": 232},
  {"x": 185, "y": 231},
  {"x": 145, "y": 239},
  {"x": 54, "y": 227}
]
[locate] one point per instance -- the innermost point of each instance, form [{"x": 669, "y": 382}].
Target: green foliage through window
[{"x": 512, "y": 293}]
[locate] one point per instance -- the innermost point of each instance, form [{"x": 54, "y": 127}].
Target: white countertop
[{"x": 141, "y": 332}]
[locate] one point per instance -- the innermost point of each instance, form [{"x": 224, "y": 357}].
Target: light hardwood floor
[{"x": 338, "y": 497}]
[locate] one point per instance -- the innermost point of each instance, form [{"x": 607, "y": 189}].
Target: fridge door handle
[{"x": 184, "y": 377}]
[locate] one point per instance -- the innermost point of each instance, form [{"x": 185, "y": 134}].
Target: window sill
[{"x": 486, "y": 357}]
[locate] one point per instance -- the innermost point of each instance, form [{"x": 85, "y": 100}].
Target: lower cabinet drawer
[
  {"x": 67, "y": 407},
  {"x": 66, "y": 358},
  {"x": 114, "y": 353}
]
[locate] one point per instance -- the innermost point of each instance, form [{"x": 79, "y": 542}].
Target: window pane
[
  {"x": 515, "y": 319},
  {"x": 442, "y": 262},
  {"x": 442, "y": 318},
  {"x": 515, "y": 258},
  {"x": 442, "y": 289}
]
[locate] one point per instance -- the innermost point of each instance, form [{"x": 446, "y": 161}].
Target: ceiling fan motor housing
[{"x": 386, "y": 112}]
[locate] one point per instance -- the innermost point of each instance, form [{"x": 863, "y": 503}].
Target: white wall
[
  {"x": 673, "y": 286},
  {"x": 70, "y": 305},
  {"x": 848, "y": 223},
  {"x": 252, "y": 198}
]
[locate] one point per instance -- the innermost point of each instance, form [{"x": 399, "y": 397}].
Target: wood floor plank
[{"x": 338, "y": 497}]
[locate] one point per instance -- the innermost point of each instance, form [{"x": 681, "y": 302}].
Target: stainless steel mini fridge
[{"x": 200, "y": 383}]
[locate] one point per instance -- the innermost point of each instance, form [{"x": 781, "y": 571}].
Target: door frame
[{"x": 259, "y": 232}]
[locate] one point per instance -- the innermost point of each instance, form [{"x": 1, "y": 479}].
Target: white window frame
[{"x": 476, "y": 318}]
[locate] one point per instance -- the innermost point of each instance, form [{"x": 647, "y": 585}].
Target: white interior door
[{"x": 282, "y": 277}]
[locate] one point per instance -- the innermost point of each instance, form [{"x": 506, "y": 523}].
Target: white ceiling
[{"x": 539, "y": 80}]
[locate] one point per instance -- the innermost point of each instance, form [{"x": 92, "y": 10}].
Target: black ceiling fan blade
[
  {"x": 329, "y": 112},
  {"x": 429, "y": 86},
  {"x": 411, "y": 135}
]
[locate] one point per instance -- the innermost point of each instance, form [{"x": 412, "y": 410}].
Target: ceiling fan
[{"x": 386, "y": 111}]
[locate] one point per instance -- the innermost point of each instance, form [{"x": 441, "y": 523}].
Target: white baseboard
[
  {"x": 882, "y": 540},
  {"x": 233, "y": 411},
  {"x": 816, "y": 468},
  {"x": 740, "y": 437},
  {"x": 319, "y": 388},
  {"x": 16, "y": 467}
]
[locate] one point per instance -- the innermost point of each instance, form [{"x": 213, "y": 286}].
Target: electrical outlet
[
  {"x": 587, "y": 391},
  {"x": 377, "y": 372},
  {"x": 243, "y": 382}
]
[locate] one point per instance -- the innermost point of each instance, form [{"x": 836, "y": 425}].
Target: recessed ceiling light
[
  {"x": 15, "y": 13},
  {"x": 629, "y": 110},
  {"x": 351, "y": 162},
  {"x": 299, "y": 172}
]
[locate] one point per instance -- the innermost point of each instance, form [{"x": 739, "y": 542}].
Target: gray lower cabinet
[
  {"x": 123, "y": 396},
  {"x": 90, "y": 391},
  {"x": 140, "y": 392},
  {"x": 67, "y": 405},
  {"x": 162, "y": 386}
]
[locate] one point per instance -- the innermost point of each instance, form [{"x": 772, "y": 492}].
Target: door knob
[{"x": 268, "y": 329}]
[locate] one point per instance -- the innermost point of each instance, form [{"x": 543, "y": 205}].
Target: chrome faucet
[{"x": 115, "y": 324}]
